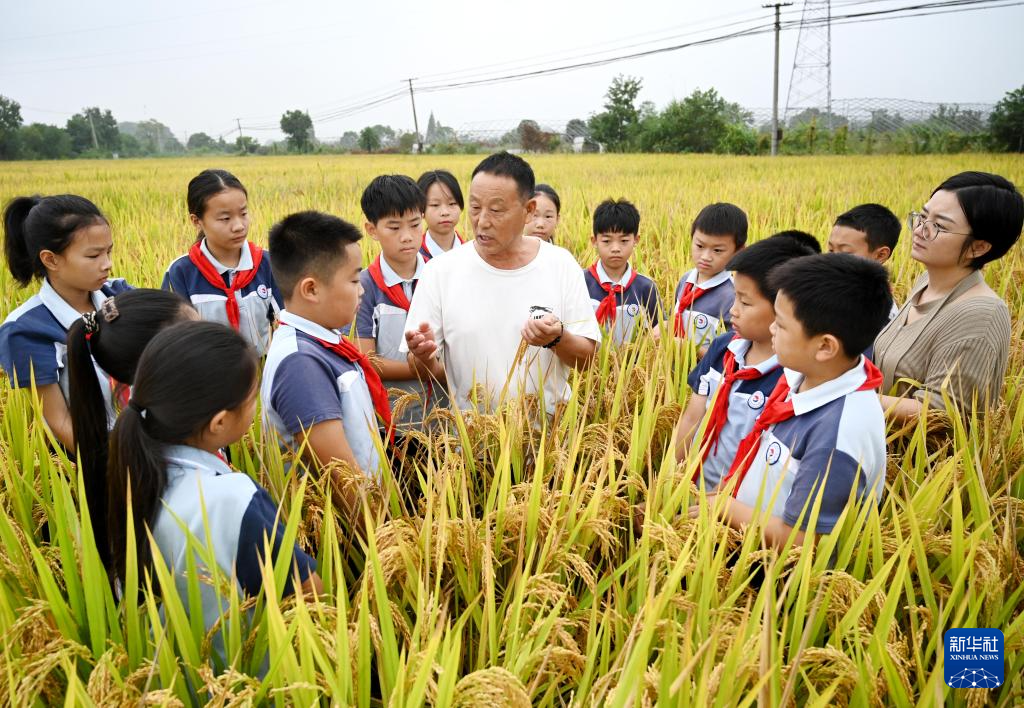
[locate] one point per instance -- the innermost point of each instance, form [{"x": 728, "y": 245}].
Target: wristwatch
[{"x": 557, "y": 339}]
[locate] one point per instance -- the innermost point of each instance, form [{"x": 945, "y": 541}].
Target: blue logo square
[{"x": 973, "y": 658}]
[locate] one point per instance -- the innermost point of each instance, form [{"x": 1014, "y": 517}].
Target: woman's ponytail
[{"x": 19, "y": 257}]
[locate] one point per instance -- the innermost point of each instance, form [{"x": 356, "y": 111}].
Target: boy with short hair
[
  {"x": 822, "y": 430},
  {"x": 740, "y": 370},
  {"x": 393, "y": 206},
  {"x": 705, "y": 294},
  {"x": 624, "y": 301},
  {"x": 318, "y": 388},
  {"x": 868, "y": 230}
]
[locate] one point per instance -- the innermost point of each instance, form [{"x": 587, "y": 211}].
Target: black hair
[
  {"x": 392, "y": 196},
  {"x": 187, "y": 374},
  {"x": 207, "y": 184},
  {"x": 123, "y": 328},
  {"x": 802, "y": 237},
  {"x": 308, "y": 242},
  {"x": 446, "y": 179},
  {"x": 505, "y": 164},
  {"x": 35, "y": 224},
  {"x": 839, "y": 294},
  {"x": 722, "y": 219},
  {"x": 548, "y": 191},
  {"x": 613, "y": 217},
  {"x": 880, "y": 226},
  {"x": 758, "y": 260},
  {"x": 994, "y": 209}
]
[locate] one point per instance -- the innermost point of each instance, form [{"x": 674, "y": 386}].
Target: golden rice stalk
[{"x": 494, "y": 687}]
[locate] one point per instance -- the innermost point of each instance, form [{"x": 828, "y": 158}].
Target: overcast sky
[{"x": 197, "y": 66}]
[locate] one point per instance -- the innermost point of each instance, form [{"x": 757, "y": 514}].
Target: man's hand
[
  {"x": 421, "y": 343},
  {"x": 540, "y": 333}
]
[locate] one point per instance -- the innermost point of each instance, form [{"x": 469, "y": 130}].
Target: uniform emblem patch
[
  {"x": 632, "y": 309},
  {"x": 700, "y": 320},
  {"x": 774, "y": 453},
  {"x": 756, "y": 400},
  {"x": 263, "y": 291}
]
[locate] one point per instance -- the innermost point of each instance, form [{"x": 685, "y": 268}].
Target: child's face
[
  {"x": 545, "y": 219},
  {"x": 846, "y": 239},
  {"x": 443, "y": 211},
  {"x": 399, "y": 236},
  {"x": 225, "y": 222},
  {"x": 711, "y": 253},
  {"x": 85, "y": 264},
  {"x": 338, "y": 298},
  {"x": 237, "y": 421},
  {"x": 793, "y": 347},
  {"x": 752, "y": 313},
  {"x": 614, "y": 249}
]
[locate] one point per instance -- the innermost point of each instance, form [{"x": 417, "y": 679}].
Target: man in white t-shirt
[{"x": 474, "y": 306}]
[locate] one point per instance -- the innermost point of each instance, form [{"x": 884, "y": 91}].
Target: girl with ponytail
[
  {"x": 225, "y": 276},
  {"x": 112, "y": 340},
  {"x": 195, "y": 392},
  {"x": 65, "y": 242}
]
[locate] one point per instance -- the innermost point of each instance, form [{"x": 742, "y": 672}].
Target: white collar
[
  {"x": 827, "y": 392},
  {"x": 603, "y": 277},
  {"x": 434, "y": 248},
  {"x": 59, "y": 307},
  {"x": 714, "y": 282},
  {"x": 739, "y": 347},
  {"x": 391, "y": 278},
  {"x": 244, "y": 261},
  {"x": 183, "y": 458},
  {"x": 310, "y": 328}
]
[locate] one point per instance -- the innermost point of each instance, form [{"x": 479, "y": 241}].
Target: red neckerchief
[
  {"x": 425, "y": 252},
  {"x": 607, "y": 309},
  {"x": 689, "y": 295},
  {"x": 241, "y": 279},
  {"x": 776, "y": 410},
  {"x": 720, "y": 408},
  {"x": 378, "y": 394},
  {"x": 395, "y": 293}
]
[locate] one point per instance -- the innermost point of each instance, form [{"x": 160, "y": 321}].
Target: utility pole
[
  {"x": 415, "y": 121},
  {"x": 239, "y": 122},
  {"x": 775, "y": 86},
  {"x": 95, "y": 142}
]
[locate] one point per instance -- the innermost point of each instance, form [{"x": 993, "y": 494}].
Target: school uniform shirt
[
  {"x": 240, "y": 515},
  {"x": 477, "y": 313},
  {"x": 637, "y": 307},
  {"x": 431, "y": 249},
  {"x": 746, "y": 400},
  {"x": 835, "y": 429},
  {"x": 258, "y": 302},
  {"x": 33, "y": 340},
  {"x": 710, "y": 310},
  {"x": 384, "y": 322},
  {"x": 305, "y": 383}
]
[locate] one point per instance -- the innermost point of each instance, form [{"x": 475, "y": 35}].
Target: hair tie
[
  {"x": 91, "y": 325},
  {"x": 137, "y": 408},
  {"x": 109, "y": 310}
]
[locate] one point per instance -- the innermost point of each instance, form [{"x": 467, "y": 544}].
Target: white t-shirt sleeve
[
  {"x": 578, "y": 310},
  {"x": 426, "y": 306}
]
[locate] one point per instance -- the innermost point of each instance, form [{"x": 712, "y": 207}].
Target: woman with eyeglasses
[{"x": 952, "y": 336}]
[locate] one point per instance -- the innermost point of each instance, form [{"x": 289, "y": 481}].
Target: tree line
[{"x": 703, "y": 122}]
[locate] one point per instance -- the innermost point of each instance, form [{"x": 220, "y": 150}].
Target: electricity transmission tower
[{"x": 810, "y": 84}]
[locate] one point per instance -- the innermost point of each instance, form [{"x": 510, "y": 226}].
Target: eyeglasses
[{"x": 929, "y": 229}]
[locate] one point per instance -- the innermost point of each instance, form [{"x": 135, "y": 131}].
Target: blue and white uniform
[
  {"x": 258, "y": 302},
  {"x": 837, "y": 429},
  {"x": 305, "y": 383},
  {"x": 33, "y": 339},
  {"x": 638, "y": 307},
  {"x": 381, "y": 320},
  {"x": 746, "y": 399},
  {"x": 711, "y": 310},
  {"x": 241, "y": 516}
]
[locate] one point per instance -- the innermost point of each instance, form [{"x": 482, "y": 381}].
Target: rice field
[{"x": 523, "y": 577}]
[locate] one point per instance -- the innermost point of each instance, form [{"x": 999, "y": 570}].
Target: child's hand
[
  {"x": 540, "y": 333},
  {"x": 421, "y": 342},
  {"x": 694, "y": 510}
]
